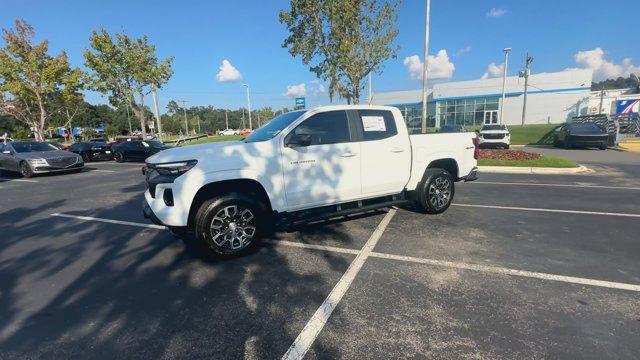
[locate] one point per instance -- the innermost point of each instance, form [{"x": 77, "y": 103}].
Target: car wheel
[
  {"x": 25, "y": 170},
  {"x": 506, "y": 146},
  {"x": 436, "y": 191},
  {"x": 556, "y": 143},
  {"x": 566, "y": 144},
  {"x": 118, "y": 157},
  {"x": 85, "y": 157},
  {"x": 602, "y": 146},
  {"x": 229, "y": 224}
]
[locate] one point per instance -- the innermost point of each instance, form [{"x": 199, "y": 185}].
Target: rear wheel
[
  {"x": 85, "y": 157},
  {"x": 25, "y": 170},
  {"x": 435, "y": 191},
  {"x": 566, "y": 143},
  {"x": 118, "y": 157},
  {"x": 603, "y": 146},
  {"x": 229, "y": 224}
]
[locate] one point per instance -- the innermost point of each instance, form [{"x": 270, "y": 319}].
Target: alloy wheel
[
  {"x": 233, "y": 227},
  {"x": 440, "y": 192}
]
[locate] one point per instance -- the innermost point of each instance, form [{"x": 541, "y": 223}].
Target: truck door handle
[
  {"x": 348, "y": 154},
  {"x": 397, "y": 150}
]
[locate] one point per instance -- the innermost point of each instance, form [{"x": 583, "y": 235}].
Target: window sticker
[{"x": 373, "y": 123}]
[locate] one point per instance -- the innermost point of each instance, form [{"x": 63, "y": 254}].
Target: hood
[
  {"x": 194, "y": 152},
  {"x": 45, "y": 154}
]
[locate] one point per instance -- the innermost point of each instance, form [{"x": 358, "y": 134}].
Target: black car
[
  {"x": 92, "y": 151},
  {"x": 136, "y": 149},
  {"x": 584, "y": 134}
]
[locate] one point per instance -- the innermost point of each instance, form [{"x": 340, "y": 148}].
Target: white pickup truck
[{"x": 304, "y": 166}]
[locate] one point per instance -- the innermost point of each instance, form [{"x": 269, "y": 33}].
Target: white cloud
[
  {"x": 463, "y": 51},
  {"x": 496, "y": 12},
  {"x": 602, "y": 68},
  {"x": 228, "y": 72},
  {"x": 296, "y": 90},
  {"x": 439, "y": 66},
  {"x": 316, "y": 87},
  {"x": 493, "y": 71}
]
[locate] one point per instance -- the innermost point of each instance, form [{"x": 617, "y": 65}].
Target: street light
[
  {"x": 504, "y": 79},
  {"x": 248, "y": 106},
  {"x": 425, "y": 67}
]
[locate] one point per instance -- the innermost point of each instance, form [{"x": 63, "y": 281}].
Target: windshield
[
  {"x": 493, "y": 127},
  {"x": 585, "y": 128},
  {"x": 154, "y": 144},
  {"x": 273, "y": 127},
  {"x": 24, "y": 147}
]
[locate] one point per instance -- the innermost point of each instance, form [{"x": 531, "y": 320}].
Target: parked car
[
  {"x": 245, "y": 132},
  {"x": 32, "y": 157},
  {"x": 452, "y": 128},
  {"x": 584, "y": 134},
  {"x": 304, "y": 166},
  {"x": 92, "y": 151},
  {"x": 136, "y": 149},
  {"x": 494, "y": 136},
  {"x": 229, "y": 132}
]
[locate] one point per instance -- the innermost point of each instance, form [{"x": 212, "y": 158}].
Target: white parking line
[
  {"x": 100, "y": 170},
  {"x": 19, "y": 180},
  {"x": 512, "y": 272},
  {"x": 548, "y": 210},
  {"x": 558, "y": 185},
  {"x": 310, "y": 332},
  {"x": 119, "y": 222},
  {"x": 312, "y": 246}
]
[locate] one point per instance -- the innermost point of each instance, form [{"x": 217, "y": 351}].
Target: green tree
[
  {"x": 342, "y": 40},
  {"x": 126, "y": 68},
  {"x": 32, "y": 82}
]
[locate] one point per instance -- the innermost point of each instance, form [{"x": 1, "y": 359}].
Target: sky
[{"x": 220, "y": 45}]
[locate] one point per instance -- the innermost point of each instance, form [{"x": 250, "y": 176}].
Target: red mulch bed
[{"x": 508, "y": 155}]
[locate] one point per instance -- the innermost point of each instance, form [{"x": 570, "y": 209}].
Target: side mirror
[{"x": 299, "y": 140}]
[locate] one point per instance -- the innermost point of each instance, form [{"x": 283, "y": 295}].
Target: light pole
[
  {"x": 425, "y": 67},
  {"x": 504, "y": 80},
  {"x": 184, "y": 111},
  {"x": 248, "y": 105},
  {"x": 526, "y": 73}
]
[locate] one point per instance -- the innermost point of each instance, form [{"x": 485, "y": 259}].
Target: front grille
[
  {"x": 493, "y": 136},
  {"x": 62, "y": 162}
]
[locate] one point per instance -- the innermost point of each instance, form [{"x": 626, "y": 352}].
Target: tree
[
  {"x": 172, "y": 107},
  {"x": 343, "y": 40},
  {"x": 32, "y": 82},
  {"x": 126, "y": 67}
]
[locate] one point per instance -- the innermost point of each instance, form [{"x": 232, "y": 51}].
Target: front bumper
[
  {"x": 52, "y": 169},
  {"x": 148, "y": 213}
]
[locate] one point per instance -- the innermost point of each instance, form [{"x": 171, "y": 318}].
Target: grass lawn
[
  {"x": 210, "y": 139},
  {"x": 545, "y": 161},
  {"x": 532, "y": 134}
]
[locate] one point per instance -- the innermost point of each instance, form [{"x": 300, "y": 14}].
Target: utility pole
[
  {"x": 504, "y": 81},
  {"x": 184, "y": 110},
  {"x": 155, "y": 102},
  {"x": 601, "y": 99},
  {"x": 425, "y": 67},
  {"x": 248, "y": 106},
  {"x": 527, "y": 72},
  {"x": 129, "y": 120},
  {"x": 243, "y": 125},
  {"x": 226, "y": 118},
  {"x": 370, "y": 93}
]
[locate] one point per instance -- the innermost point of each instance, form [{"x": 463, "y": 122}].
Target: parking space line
[
  {"x": 312, "y": 246},
  {"x": 548, "y": 210},
  {"x": 19, "y": 180},
  {"x": 119, "y": 222},
  {"x": 557, "y": 185},
  {"x": 512, "y": 272},
  {"x": 100, "y": 170},
  {"x": 311, "y": 330}
]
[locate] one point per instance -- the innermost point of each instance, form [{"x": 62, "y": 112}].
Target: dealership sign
[
  {"x": 300, "y": 103},
  {"x": 628, "y": 106}
]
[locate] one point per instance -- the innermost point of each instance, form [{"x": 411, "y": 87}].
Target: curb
[{"x": 533, "y": 170}]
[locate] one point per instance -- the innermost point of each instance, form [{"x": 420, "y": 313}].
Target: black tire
[
  {"x": 230, "y": 224},
  {"x": 435, "y": 191},
  {"x": 506, "y": 146},
  {"x": 85, "y": 157},
  {"x": 118, "y": 157},
  {"x": 25, "y": 170},
  {"x": 566, "y": 144},
  {"x": 556, "y": 143},
  {"x": 602, "y": 146}
]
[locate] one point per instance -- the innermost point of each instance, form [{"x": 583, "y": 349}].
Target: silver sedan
[{"x": 32, "y": 157}]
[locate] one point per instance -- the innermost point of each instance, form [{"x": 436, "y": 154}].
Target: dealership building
[{"x": 551, "y": 98}]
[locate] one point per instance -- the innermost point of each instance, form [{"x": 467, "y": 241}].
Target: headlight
[
  {"x": 38, "y": 162},
  {"x": 174, "y": 168}
]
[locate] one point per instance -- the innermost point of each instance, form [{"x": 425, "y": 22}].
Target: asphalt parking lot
[{"x": 521, "y": 266}]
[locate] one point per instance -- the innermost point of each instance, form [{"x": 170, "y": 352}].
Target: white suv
[{"x": 494, "y": 135}]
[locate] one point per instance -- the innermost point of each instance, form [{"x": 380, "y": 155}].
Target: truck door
[
  {"x": 386, "y": 153},
  {"x": 323, "y": 168}
]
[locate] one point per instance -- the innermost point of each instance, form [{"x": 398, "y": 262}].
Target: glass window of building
[{"x": 466, "y": 112}]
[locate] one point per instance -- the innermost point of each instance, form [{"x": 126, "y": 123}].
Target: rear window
[
  {"x": 377, "y": 124},
  {"x": 585, "y": 128},
  {"x": 494, "y": 127}
]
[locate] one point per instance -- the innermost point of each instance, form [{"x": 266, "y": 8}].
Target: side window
[
  {"x": 377, "y": 124},
  {"x": 329, "y": 127},
  {"x": 75, "y": 147}
]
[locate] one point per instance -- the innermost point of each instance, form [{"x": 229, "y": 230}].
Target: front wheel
[
  {"x": 118, "y": 157},
  {"x": 229, "y": 224},
  {"x": 25, "y": 170},
  {"x": 435, "y": 191},
  {"x": 85, "y": 157}
]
